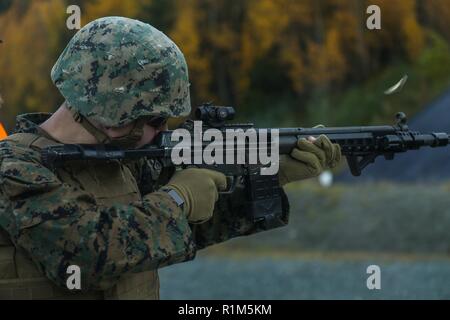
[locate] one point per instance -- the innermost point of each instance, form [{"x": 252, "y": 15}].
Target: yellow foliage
[
  {"x": 317, "y": 63},
  {"x": 267, "y": 20},
  {"x": 25, "y": 77},
  {"x": 438, "y": 12},
  {"x": 414, "y": 38},
  {"x": 400, "y": 27},
  {"x": 224, "y": 39},
  {"x": 98, "y": 9},
  {"x": 187, "y": 34},
  {"x": 292, "y": 56},
  {"x": 336, "y": 64},
  {"x": 315, "y": 43},
  {"x": 326, "y": 61}
]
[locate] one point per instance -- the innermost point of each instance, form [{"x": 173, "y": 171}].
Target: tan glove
[
  {"x": 309, "y": 159},
  {"x": 199, "y": 188}
]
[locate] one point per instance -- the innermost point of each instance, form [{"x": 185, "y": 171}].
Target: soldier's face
[
  {"x": 117, "y": 132},
  {"x": 149, "y": 132}
]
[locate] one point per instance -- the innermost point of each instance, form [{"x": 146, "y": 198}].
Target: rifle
[{"x": 361, "y": 145}]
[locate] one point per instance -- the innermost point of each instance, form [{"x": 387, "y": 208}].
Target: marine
[{"x": 119, "y": 222}]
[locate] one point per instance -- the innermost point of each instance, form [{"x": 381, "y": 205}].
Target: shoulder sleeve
[{"x": 59, "y": 225}]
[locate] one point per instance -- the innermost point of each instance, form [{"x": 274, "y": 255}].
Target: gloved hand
[
  {"x": 309, "y": 159},
  {"x": 199, "y": 188}
]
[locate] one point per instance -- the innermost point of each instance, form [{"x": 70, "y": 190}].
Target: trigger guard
[{"x": 231, "y": 185}]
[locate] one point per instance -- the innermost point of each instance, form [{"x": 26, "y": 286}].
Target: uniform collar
[{"x": 29, "y": 123}]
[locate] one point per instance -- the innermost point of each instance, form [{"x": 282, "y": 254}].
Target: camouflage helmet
[{"x": 116, "y": 70}]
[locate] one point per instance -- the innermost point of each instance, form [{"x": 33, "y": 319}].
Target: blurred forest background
[
  {"x": 286, "y": 63},
  {"x": 280, "y": 62}
]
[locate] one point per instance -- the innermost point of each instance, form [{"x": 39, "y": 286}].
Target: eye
[{"x": 157, "y": 121}]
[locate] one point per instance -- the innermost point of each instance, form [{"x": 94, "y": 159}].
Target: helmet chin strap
[{"x": 128, "y": 141}]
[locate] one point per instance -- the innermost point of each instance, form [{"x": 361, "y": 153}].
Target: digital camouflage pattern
[
  {"x": 81, "y": 216},
  {"x": 110, "y": 219},
  {"x": 60, "y": 220},
  {"x": 115, "y": 70}
]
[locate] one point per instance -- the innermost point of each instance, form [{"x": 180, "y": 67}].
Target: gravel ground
[
  {"x": 220, "y": 277},
  {"x": 401, "y": 228}
]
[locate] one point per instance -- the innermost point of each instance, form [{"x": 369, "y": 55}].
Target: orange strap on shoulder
[{"x": 3, "y": 133}]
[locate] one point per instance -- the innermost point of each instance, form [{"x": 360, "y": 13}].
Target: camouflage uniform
[
  {"x": 90, "y": 215},
  {"x": 75, "y": 216},
  {"x": 114, "y": 220}
]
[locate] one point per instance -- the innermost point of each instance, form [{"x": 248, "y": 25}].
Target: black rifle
[{"x": 360, "y": 145}]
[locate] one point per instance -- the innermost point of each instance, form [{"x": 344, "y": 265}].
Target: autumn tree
[{"x": 256, "y": 54}]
